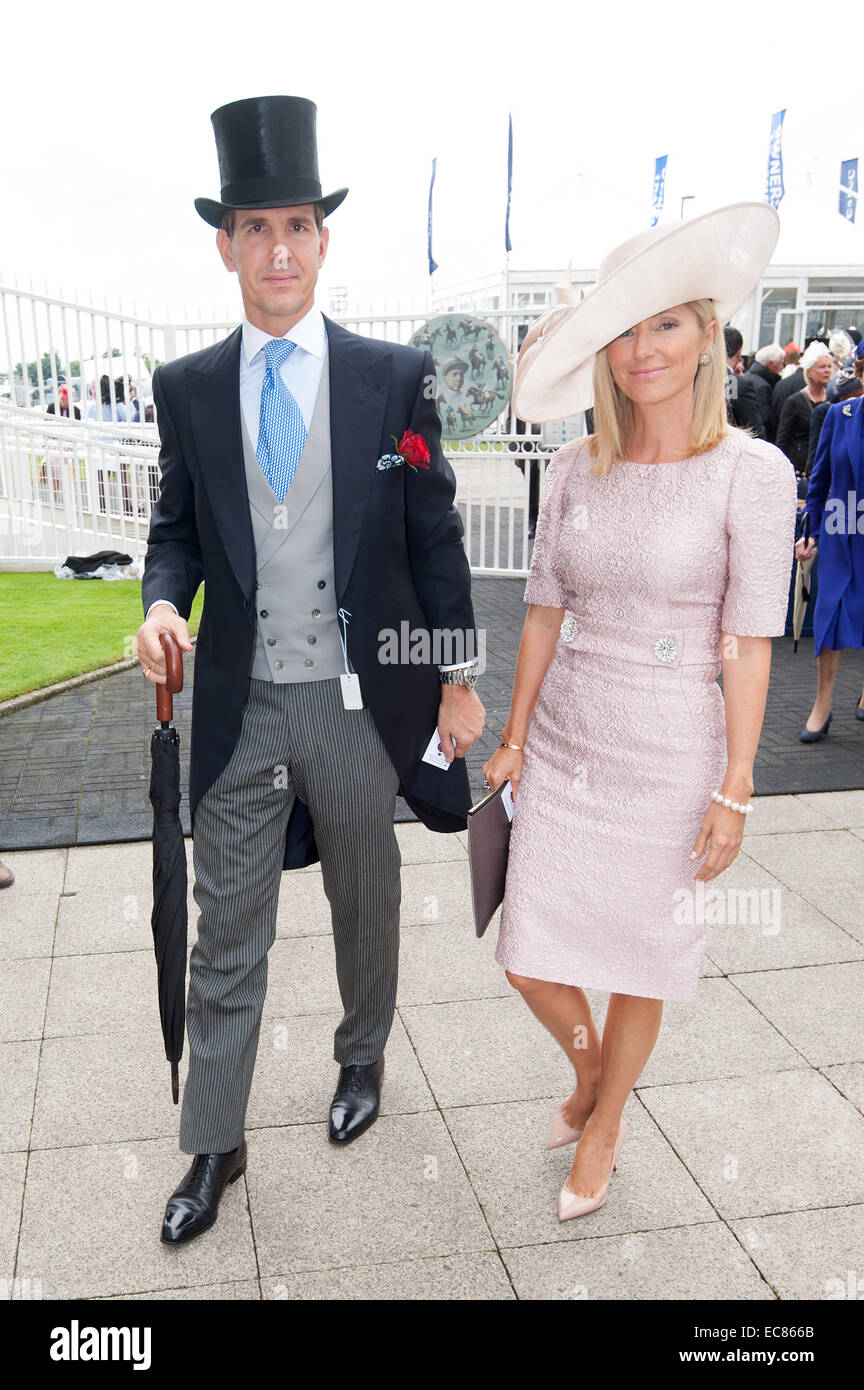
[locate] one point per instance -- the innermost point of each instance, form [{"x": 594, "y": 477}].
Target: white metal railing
[
  {"x": 44, "y": 339},
  {"x": 72, "y": 487},
  {"x": 81, "y": 485}
]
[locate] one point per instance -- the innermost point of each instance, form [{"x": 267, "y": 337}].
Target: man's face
[
  {"x": 454, "y": 378},
  {"x": 735, "y": 360},
  {"x": 276, "y": 254}
]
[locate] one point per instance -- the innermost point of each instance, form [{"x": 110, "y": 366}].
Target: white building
[
  {"x": 789, "y": 303},
  {"x": 794, "y": 303}
]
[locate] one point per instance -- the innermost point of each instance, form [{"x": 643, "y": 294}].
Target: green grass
[{"x": 56, "y": 628}]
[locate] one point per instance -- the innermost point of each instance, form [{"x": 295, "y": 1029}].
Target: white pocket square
[{"x": 389, "y": 461}]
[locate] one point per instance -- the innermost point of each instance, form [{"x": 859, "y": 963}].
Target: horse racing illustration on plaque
[{"x": 473, "y": 370}]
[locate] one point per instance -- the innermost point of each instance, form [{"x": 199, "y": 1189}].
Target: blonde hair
[{"x": 613, "y": 411}]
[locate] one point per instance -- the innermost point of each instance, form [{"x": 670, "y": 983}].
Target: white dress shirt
[{"x": 301, "y": 372}]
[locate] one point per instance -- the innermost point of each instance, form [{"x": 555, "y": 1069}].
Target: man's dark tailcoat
[{"x": 397, "y": 549}]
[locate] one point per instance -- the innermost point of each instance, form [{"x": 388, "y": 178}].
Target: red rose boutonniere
[{"x": 414, "y": 450}]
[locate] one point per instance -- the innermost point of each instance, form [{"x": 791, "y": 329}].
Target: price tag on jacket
[{"x": 351, "y": 695}]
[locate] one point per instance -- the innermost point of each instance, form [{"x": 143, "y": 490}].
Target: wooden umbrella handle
[{"x": 174, "y": 673}]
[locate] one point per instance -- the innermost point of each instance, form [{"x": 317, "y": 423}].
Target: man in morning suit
[{"x": 285, "y": 490}]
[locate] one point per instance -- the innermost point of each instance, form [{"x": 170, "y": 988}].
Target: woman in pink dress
[{"x": 663, "y": 556}]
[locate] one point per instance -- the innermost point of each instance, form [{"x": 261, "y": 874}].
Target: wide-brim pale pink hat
[{"x": 720, "y": 255}]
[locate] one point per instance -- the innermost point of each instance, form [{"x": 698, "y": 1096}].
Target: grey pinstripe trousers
[{"x": 295, "y": 739}]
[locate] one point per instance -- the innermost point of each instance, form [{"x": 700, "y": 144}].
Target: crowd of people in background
[
  {"x": 126, "y": 405},
  {"x": 783, "y": 395},
  {"x": 128, "y": 410}
]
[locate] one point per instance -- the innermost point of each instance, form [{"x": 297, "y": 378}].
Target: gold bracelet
[
  {"x": 517, "y": 746},
  {"x": 746, "y": 780}
]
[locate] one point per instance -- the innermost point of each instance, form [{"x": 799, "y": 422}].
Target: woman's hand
[
  {"x": 805, "y": 550},
  {"x": 721, "y": 833},
  {"x": 505, "y": 763}
]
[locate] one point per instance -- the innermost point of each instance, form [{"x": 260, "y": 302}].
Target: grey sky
[{"x": 108, "y": 138}]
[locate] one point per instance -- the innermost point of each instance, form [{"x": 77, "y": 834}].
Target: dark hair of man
[
  {"x": 734, "y": 340},
  {"x": 230, "y": 213}
]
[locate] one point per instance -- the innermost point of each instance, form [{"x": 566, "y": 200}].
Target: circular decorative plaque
[{"x": 473, "y": 371}]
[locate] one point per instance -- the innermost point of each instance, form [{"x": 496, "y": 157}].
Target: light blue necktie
[{"x": 281, "y": 432}]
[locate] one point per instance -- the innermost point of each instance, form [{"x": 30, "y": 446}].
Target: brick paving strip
[{"x": 74, "y": 765}]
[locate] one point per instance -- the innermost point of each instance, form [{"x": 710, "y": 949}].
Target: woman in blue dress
[{"x": 835, "y": 503}]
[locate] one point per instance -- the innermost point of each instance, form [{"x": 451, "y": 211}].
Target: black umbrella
[{"x": 169, "y": 916}]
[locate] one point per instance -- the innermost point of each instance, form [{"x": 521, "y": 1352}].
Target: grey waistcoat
[{"x": 297, "y": 636}]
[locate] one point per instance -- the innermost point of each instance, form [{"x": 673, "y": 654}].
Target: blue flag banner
[
  {"x": 433, "y": 265},
  {"x": 507, "y": 246},
  {"x": 659, "y": 188},
  {"x": 848, "y": 189},
  {"x": 774, "y": 189}
]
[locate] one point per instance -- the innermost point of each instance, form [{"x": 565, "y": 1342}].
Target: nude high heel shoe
[
  {"x": 569, "y": 1205},
  {"x": 561, "y": 1133}
]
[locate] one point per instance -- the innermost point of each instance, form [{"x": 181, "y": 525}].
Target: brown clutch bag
[{"x": 488, "y": 847}]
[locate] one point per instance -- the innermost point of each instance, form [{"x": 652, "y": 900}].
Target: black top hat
[{"x": 268, "y": 157}]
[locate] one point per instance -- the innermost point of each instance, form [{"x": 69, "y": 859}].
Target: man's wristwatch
[{"x": 462, "y": 675}]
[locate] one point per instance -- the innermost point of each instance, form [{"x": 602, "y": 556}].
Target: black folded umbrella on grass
[{"x": 169, "y": 916}]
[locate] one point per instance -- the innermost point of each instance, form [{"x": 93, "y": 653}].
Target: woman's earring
[{"x": 704, "y": 359}]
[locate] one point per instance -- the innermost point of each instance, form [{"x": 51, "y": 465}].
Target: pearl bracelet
[{"x": 733, "y": 805}]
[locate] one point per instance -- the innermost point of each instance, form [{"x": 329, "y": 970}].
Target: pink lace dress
[{"x": 628, "y": 739}]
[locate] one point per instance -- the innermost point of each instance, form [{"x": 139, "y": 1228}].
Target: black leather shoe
[
  {"x": 194, "y": 1206},
  {"x": 355, "y": 1105}
]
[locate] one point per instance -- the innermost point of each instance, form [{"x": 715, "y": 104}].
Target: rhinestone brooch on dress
[
  {"x": 666, "y": 649},
  {"x": 568, "y": 627}
]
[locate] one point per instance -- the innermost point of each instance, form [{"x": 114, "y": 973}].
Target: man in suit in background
[
  {"x": 787, "y": 386},
  {"x": 303, "y": 481},
  {"x": 741, "y": 406},
  {"x": 761, "y": 379}
]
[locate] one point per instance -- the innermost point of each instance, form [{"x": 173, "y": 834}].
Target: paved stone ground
[
  {"x": 741, "y": 1176},
  {"x": 74, "y": 769}
]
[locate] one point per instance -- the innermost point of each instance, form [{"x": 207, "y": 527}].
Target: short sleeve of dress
[
  {"x": 545, "y": 583},
  {"x": 760, "y": 523}
]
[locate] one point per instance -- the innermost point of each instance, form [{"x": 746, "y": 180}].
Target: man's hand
[
  {"x": 148, "y": 648},
  {"x": 461, "y": 717}
]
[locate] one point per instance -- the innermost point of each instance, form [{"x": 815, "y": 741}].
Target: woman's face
[
  {"x": 820, "y": 373},
  {"x": 657, "y": 360}
]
